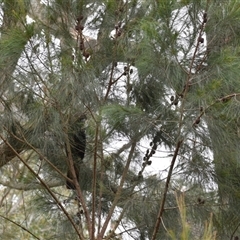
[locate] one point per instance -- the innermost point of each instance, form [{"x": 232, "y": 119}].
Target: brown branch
[
  {"x": 5, "y": 194},
  {"x": 19, "y": 225},
  {"x": 179, "y": 143},
  {"x": 118, "y": 193},
  {"x": 196, "y": 48},
  {"x": 117, "y": 222},
  {"x": 76, "y": 183},
  {"x": 28, "y": 145},
  {"x": 222, "y": 99},
  {"x": 235, "y": 230},
  {"x": 110, "y": 83},
  {"x": 161, "y": 209},
  {"x": 100, "y": 195},
  {"x": 94, "y": 183},
  {"x": 45, "y": 186}
]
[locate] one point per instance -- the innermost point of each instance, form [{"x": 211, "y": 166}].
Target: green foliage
[
  {"x": 13, "y": 42},
  {"x": 123, "y": 118},
  {"x": 141, "y": 95}
]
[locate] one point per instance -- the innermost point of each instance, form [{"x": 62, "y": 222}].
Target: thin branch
[
  {"x": 100, "y": 195},
  {"x": 196, "y": 48},
  {"x": 164, "y": 226},
  {"x": 110, "y": 83},
  {"x": 45, "y": 186},
  {"x": 161, "y": 209},
  {"x": 94, "y": 182},
  {"x": 236, "y": 228},
  {"x": 19, "y": 225},
  {"x": 222, "y": 99},
  {"x": 180, "y": 141},
  {"x": 26, "y": 143},
  {"x": 5, "y": 194},
  {"x": 76, "y": 183},
  {"x": 117, "y": 222},
  {"x": 118, "y": 193}
]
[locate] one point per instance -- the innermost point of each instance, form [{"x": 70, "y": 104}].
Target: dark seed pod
[
  {"x": 81, "y": 46},
  {"x": 176, "y": 102},
  {"x": 140, "y": 176},
  {"x": 151, "y": 143},
  {"x": 131, "y": 71},
  {"x": 79, "y": 18},
  {"x": 120, "y": 9},
  {"x": 86, "y": 54},
  {"x": 172, "y": 98},
  {"x": 205, "y": 17},
  {"x": 155, "y": 145},
  {"x": 149, "y": 162},
  {"x": 201, "y": 39},
  {"x": 155, "y": 140},
  {"x": 200, "y": 200},
  {"x": 119, "y": 32},
  {"x": 144, "y": 164},
  {"x": 81, "y": 27},
  {"x": 153, "y": 152},
  {"x": 226, "y": 99},
  {"x": 197, "y": 121},
  {"x": 78, "y": 214}
]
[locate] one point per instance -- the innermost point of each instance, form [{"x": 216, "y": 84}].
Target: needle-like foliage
[{"x": 96, "y": 95}]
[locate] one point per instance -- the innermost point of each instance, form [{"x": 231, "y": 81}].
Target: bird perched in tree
[{"x": 77, "y": 138}]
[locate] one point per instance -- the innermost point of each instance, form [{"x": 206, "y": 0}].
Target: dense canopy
[{"x": 97, "y": 96}]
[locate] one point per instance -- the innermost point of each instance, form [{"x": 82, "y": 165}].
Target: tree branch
[
  {"x": 94, "y": 183},
  {"x": 45, "y": 186},
  {"x": 19, "y": 225},
  {"x": 161, "y": 209},
  {"x": 118, "y": 193}
]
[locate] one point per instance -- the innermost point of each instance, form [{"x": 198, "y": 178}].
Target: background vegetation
[{"x": 145, "y": 81}]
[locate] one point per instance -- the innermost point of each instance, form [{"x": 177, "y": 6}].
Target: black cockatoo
[{"x": 77, "y": 138}]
